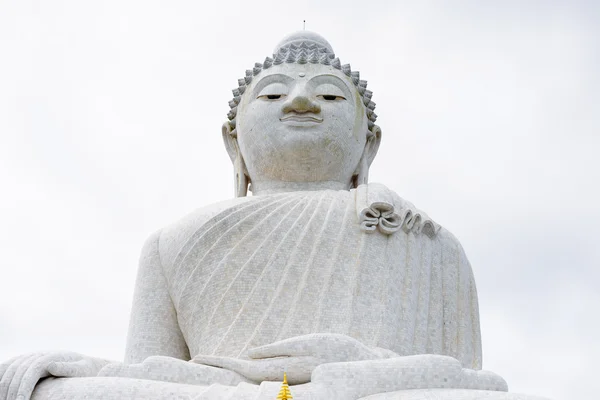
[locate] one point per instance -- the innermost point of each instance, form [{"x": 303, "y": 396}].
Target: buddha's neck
[{"x": 262, "y": 188}]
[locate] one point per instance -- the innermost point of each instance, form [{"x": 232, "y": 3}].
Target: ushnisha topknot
[{"x": 303, "y": 47}]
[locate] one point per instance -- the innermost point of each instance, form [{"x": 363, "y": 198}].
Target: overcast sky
[{"x": 110, "y": 128}]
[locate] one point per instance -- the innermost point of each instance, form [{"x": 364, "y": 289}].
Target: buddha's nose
[{"x": 301, "y": 104}]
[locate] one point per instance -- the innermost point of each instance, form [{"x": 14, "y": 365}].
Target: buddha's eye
[
  {"x": 330, "y": 97},
  {"x": 329, "y": 92},
  {"x": 273, "y": 92},
  {"x": 271, "y": 97}
]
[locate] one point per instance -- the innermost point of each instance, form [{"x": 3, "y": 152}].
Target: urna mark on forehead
[{"x": 303, "y": 47}]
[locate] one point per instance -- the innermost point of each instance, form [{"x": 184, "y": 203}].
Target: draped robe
[
  {"x": 252, "y": 271},
  {"x": 256, "y": 270}
]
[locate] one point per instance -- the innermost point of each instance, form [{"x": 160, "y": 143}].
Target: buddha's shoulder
[
  {"x": 198, "y": 217},
  {"x": 429, "y": 229},
  {"x": 172, "y": 237},
  {"x": 419, "y": 222}
]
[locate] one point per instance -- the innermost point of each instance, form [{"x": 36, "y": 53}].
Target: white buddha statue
[{"x": 340, "y": 283}]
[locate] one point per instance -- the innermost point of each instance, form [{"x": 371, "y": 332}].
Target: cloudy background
[{"x": 110, "y": 117}]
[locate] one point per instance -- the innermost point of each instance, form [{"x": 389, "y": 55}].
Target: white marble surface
[
  {"x": 412, "y": 377},
  {"x": 291, "y": 289},
  {"x": 450, "y": 394},
  {"x": 347, "y": 287}
]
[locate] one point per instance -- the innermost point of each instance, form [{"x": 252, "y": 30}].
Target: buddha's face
[{"x": 301, "y": 123}]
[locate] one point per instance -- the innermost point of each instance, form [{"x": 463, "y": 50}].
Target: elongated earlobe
[
  {"x": 240, "y": 173},
  {"x": 361, "y": 175},
  {"x": 241, "y": 177}
]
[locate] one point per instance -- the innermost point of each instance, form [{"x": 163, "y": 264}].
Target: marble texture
[
  {"x": 342, "y": 284},
  {"x": 278, "y": 266},
  {"x": 303, "y": 292},
  {"x": 412, "y": 377}
]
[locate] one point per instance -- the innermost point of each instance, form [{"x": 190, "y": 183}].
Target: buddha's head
[{"x": 301, "y": 121}]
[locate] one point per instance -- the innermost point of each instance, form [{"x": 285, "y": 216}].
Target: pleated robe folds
[{"x": 276, "y": 266}]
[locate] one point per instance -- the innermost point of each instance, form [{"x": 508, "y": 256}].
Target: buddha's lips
[{"x": 300, "y": 118}]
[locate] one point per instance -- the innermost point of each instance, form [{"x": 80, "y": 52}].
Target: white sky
[{"x": 110, "y": 117}]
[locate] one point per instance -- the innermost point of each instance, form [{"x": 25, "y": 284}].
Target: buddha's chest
[
  {"x": 289, "y": 269},
  {"x": 352, "y": 290}
]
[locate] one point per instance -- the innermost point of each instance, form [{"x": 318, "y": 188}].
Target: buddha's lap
[
  {"x": 450, "y": 394},
  {"x": 116, "y": 388},
  {"x": 108, "y": 388},
  {"x": 390, "y": 378}
]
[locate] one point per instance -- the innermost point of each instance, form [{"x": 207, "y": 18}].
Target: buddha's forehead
[{"x": 290, "y": 73}]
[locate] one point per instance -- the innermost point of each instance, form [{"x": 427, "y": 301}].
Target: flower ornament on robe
[{"x": 378, "y": 208}]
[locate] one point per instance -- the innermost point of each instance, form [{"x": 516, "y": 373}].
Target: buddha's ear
[
  {"x": 372, "y": 145},
  {"x": 230, "y": 140},
  {"x": 361, "y": 175},
  {"x": 240, "y": 173}
]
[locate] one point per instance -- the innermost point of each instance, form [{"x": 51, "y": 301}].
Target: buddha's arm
[
  {"x": 153, "y": 326},
  {"x": 153, "y": 330},
  {"x": 461, "y": 334}
]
